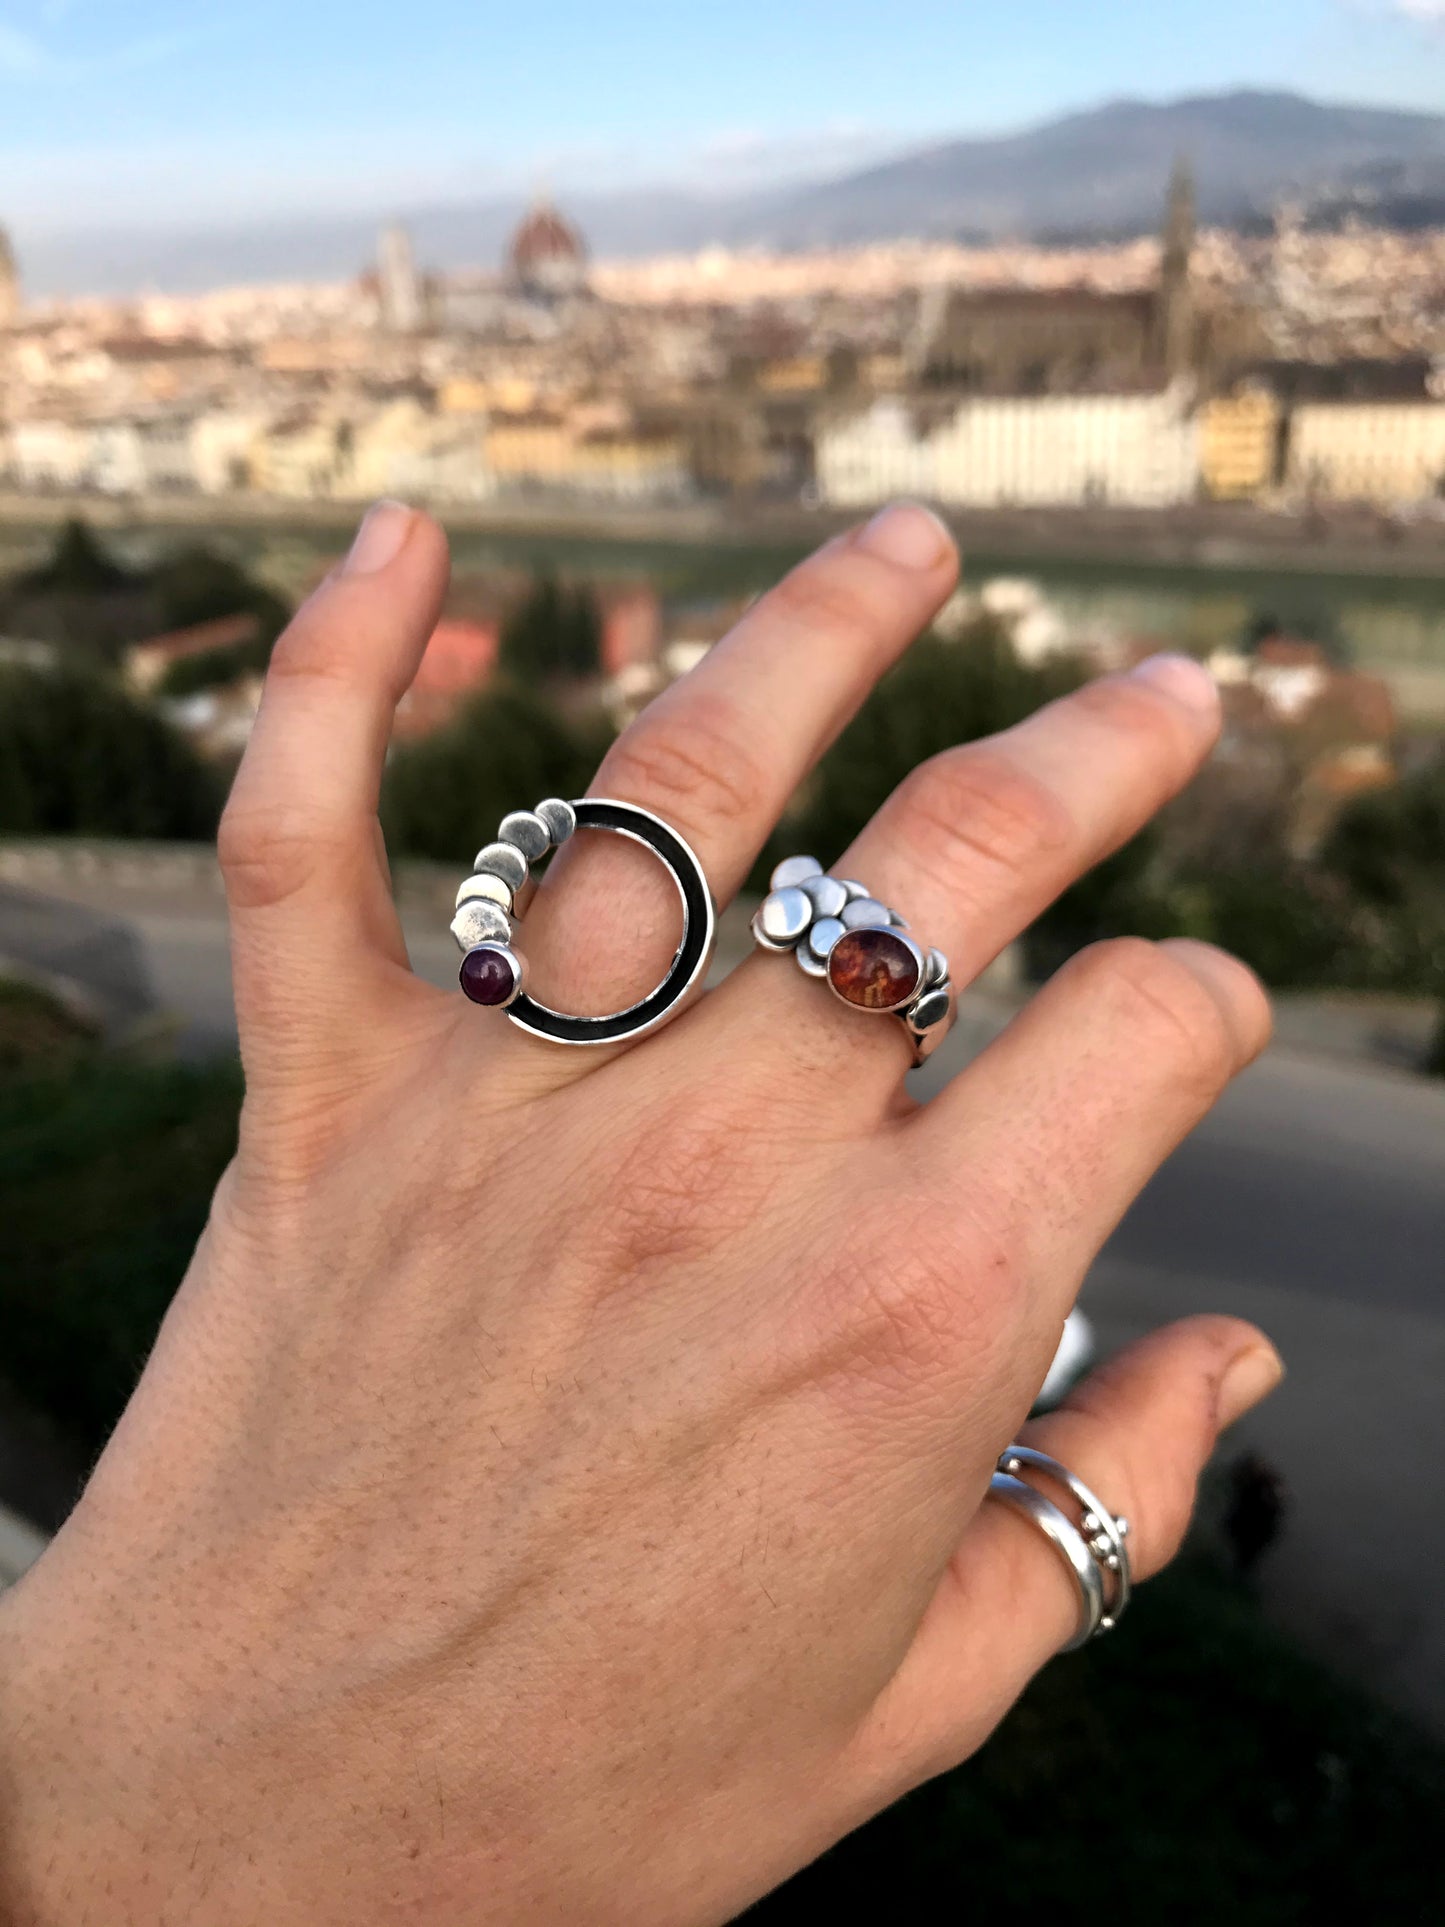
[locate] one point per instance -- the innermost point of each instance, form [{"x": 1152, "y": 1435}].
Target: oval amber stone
[{"x": 873, "y": 969}]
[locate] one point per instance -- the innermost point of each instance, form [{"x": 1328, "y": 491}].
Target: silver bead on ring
[{"x": 1092, "y": 1546}]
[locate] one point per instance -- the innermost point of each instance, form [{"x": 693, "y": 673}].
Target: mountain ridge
[{"x": 1097, "y": 172}]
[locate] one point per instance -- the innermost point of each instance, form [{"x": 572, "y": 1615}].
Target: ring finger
[{"x": 977, "y": 842}]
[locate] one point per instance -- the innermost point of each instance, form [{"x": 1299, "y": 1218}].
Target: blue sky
[{"x": 158, "y": 112}]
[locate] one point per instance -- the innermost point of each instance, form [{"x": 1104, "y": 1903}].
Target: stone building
[
  {"x": 1035, "y": 341},
  {"x": 9, "y": 282},
  {"x": 547, "y": 258},
  {"x": 1240, "y": 439},
  {"x": 1138, "y": 450},
  {"x": 1386, "y": 452}
]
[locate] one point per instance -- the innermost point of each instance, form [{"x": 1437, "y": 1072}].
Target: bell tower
[
  {"x": 1175, "y": 321},
  {"x": 9, "y": 281}
]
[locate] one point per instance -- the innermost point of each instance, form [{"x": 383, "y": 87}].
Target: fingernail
[
  {"x": 907, "y": 534},
  {"x": 1249, "y": 1378},
  {"x": 378, "y": 541},
  {"x": 1181, "y": 677}
]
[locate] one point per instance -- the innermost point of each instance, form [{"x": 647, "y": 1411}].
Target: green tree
[
  {"x": 215, "y": 668},
  {"x": 955, "y": 691},
  {"x": 197, "y": 585},
  {"x": 943, "y": 692},
  {"x": 79, "y": 564},
  {"x": 1388, "y": 850},
  {"x": 553, "y": 635},
  {"x": 444, "y": 796},
  {"x": 106, "y": 1172},
  {"x": 79, "y": 757}
]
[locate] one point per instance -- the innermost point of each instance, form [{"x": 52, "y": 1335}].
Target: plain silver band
[{"x": 1067, "y": 1541}]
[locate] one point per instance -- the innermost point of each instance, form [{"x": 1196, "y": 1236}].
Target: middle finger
[{"x": 719, "y": 755}]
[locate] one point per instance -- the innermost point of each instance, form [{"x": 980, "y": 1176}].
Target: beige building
[
  {"x": 306, "y": 456},
  {"x": 608, "y": 461},
  {"x": 1136, "y": 450},
  {"x": 1385, "y": 452},
  {"x": 404, "y": 449},
  {"x": 223, "y": 441},
  {"x": 50, "y": 452},
  {"x": 1239, "y": 441}
]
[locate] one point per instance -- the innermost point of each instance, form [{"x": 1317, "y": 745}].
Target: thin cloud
[
  {"x": 25, "y": 57},
  {"x": 21, "y": 55}
]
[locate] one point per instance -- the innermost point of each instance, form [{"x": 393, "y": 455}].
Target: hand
[{"x": 555, "y": 1493}]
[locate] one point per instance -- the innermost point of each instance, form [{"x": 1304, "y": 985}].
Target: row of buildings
[
  {"x": 535, "y": 384},
  {"x": 1150, "y": 448},
  {"x": 1157, "y": 448}
]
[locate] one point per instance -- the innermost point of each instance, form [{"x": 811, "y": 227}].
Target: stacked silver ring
[
  {"x": 1091, "y": 1545},
  {"x": 837, "y": 930}
]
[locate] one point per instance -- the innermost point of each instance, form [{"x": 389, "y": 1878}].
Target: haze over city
[{"x": 186, "y": 120}]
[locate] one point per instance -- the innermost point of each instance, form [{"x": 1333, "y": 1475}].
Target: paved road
[{"x": 1313, "y": 1200}]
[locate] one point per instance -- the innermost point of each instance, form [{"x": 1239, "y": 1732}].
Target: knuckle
[
  {"x": 694, "y": 1178},
  {"x": 903, "y": 1315},
  {"x": 975, "y": 808},
  {"x": 824, "y": 598},
  {"x": 695, "y": 762},
  {"x": 266, "y": 854},
  {"x": 1130, "y": 708},
  {"x": 310, "y": 651},
  {"x": 1163, "y": 1006}
]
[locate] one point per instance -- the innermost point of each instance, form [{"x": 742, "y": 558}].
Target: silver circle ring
[{"x": 493, "y": 970}]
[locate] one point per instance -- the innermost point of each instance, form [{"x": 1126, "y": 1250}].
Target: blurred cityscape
[
  {"x": 1285, "y": 370},
  {"x": 1227, "y": 439}
]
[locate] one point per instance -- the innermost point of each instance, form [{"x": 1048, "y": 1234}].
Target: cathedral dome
[{"x": 547, "y": 255}]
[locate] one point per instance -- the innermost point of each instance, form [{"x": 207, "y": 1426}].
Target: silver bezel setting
[{"x": 840, "y": 906}]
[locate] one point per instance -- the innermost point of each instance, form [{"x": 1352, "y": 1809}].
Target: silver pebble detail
[
  {"x": 560, "y": 818},
  {"x": 782, "y": 918},
  {"x": 827, "y": 894},
  {"x": 481, "y": 921},
  {"x": 866, "y": 913},
  {"x": 528, "y": 831},
  {"x": 502, "y": 860},
  {"x": 823, "y": 935},
  {"x": 489, "y": 888},
  {"x": 933, "y": 1007},
  {"x": 794, "y": 870}
]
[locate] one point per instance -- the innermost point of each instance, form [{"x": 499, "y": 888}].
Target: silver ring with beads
[
  {"x": 838, "y": 932},
  {"x": 491, "y": 902},
  {"x": 1093, "y": 1544}
]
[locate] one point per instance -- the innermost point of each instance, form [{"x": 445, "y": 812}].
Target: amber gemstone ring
[{"x": 839, "y": 932}]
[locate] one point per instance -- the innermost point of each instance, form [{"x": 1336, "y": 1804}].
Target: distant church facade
[{"x": 1026, "y": 341}]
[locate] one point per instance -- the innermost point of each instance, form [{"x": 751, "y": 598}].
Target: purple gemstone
[{"x": 488, "y": 975}]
